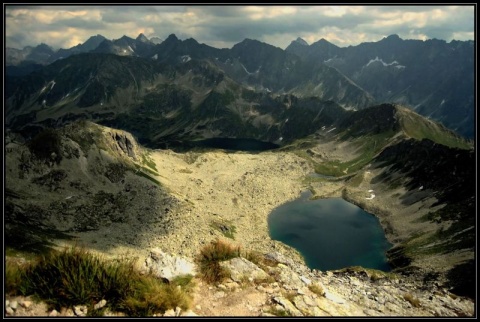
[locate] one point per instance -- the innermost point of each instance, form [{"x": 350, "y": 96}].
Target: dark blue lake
[{"x": 330, "y": 233}]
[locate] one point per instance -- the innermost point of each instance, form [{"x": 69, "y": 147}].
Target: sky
[{"x": 223, "y": 26}]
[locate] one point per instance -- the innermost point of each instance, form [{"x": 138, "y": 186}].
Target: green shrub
[
  {"x": 152, "y": 297},
  {"x": 210, "y": 257},
  {"x": 74, "y": 276}
]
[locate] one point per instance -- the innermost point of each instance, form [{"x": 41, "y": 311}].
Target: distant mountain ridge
[{"x": 432, "y": 77}]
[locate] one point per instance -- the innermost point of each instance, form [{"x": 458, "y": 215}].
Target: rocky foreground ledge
[{"x": 286, "y": 288}]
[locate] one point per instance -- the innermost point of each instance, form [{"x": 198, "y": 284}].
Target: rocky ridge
[{"x": 288, "y": 288}]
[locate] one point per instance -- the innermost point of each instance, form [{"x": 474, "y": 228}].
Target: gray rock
[
  {"x": 189, "y": 313},
  {"x": 169, "y": 312},
  {"x": 275, "y": 256},
  {"x": 26, "y": 304},
  {"x": 80, "y": 310},
  {"x": 100, "y": 304},
  {"x": 334, "y": 298},
  {"x": 241, "y": 268},
  {"x": 305, "y": 280},
  {"x": 178, "y": 310},
  {"x": 300, "y": 304},
  {"x": 287, "y": 305},
  {"x": 166, "y": 266},
  {"x": 9, "y": 310},
  {"x": 289, "y": 277},
  {"x": 14, "y": 305}
]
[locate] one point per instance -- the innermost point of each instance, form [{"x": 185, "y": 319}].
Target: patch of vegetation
[
  {"x": 115, "y": 172},
  {"x": 226, "y": 228},
  {"x": 74, "y": 276},
  {"x": 317, "y": 289},
  {"x": 209, "y": 259},
  {"x": 254, "y": 256},
  {"x": 52, "y": 179},
  {"x": 356, "y": 180},
  {"x": 46, "y": 146},
  {"x": 149, "y": 162},
  {"x": 369, "y": 147},
  {"x": 85, "y": 135},
  {"x": 142, "y": 174},
  {"x": 289, "y": 295},
  {"x": 412, "y": 299},
  {"x": 434, "y": 132}
]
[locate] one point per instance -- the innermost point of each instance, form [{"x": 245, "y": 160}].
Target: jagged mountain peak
[
  {"x": 393, "y": 37},
  {"x": 141, "y": 37},
  {"x": 301, "y": 41},
  {"x": 156, "y": 40},
  {"x": 323, "y": 43},
  {"x": 171, "y": 37}
]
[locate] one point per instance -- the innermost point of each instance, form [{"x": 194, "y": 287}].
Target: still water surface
[{"x": 330, "y": 233}]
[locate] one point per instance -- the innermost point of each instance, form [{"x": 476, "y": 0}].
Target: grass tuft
[
  {"x": 413, "y": 300},
  {"x": 210, "y": 257},
  {"x": 76, "y": 277}
]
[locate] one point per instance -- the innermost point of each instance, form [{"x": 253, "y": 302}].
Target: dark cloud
[{"x": 226, "y": 25}]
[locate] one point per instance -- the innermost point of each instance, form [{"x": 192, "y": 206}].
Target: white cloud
[{"x": 223, "y": 26}]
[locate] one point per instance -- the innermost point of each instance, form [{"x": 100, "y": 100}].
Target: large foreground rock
[{"x": 167, "y": 266}]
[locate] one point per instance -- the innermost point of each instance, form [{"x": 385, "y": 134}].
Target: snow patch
[
  {"x": 443, "y": 102},
  {"x": 371, "y": 196},
  {"x": 155, "y": 56},
  {"x": 130, "y": 48},
  {"x": 394, "y": 63},
  {"x": 53, "y": 84},
  {"x": 246, "y": 70},
  {"x": 331, "y": 130},
  {"x": 186, "y": 58}
]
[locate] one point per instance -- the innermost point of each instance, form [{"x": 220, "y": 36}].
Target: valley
[{"x": 173, "y": 145}]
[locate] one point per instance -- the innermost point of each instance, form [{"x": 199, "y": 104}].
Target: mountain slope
[
  {"x": 158, "y": 102},
  {"x": 432, "y": 77}
]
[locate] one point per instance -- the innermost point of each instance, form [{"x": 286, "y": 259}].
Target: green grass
[
  {"x": 142, "y": 174},
  {"x": 432, "y": 131},
  {"x": 149, "y": 162},
  {"x": 74, "y": 276},
  {"x": 369, "y": 147},
  {"x": 226, "y": 228},
  {"x": 209, "y": 258}
]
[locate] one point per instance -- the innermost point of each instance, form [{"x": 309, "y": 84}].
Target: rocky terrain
[
  {"x": 103, "y": 191},
  {"x": 288, "y": 288}
]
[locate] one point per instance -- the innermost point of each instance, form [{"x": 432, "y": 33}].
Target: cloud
[{"x": 223, "y": 26}]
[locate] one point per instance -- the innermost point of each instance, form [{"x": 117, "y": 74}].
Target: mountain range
[{"x": 434, "y": 78}]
